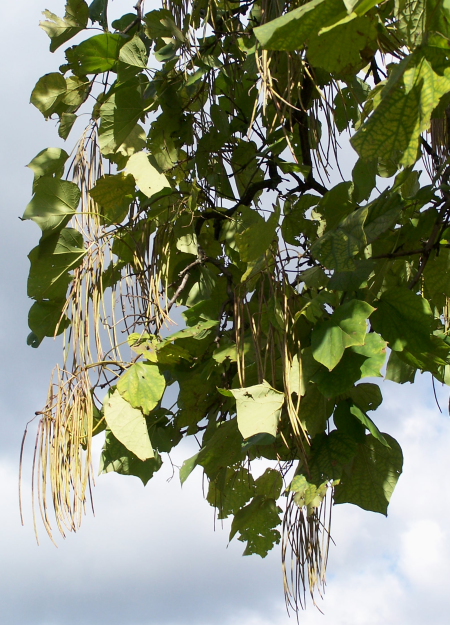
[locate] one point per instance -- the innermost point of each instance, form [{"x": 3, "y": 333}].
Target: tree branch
[
  {"x": 139, "y": 9},
  {"x": 245, "y": 200}
]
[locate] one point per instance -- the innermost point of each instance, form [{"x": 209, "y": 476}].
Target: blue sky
[{"x": 151, "y": 555}]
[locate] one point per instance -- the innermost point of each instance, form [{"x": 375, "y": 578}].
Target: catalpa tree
[{"x": 200, "y": 192}]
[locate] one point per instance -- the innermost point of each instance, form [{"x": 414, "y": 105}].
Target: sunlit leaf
[
  {"x": 142, "y": 386},
  {"x": 258, "y": 409},
  {"x": 147, "y": 177},
  {"x": 48, "y": 93},
  {"x": 346, "y": 327},
  {"x": 53, "y": 204},
  {"x": 128, "y": 425}
]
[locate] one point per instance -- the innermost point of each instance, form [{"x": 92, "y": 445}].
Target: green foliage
[{"x": 201, "y": 184}]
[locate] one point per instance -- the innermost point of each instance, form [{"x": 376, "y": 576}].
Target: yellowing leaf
[
  {"x": 128, "y": 425},
  {"x": 258, "y": 408},
  {"x": 147, "y": 177}
]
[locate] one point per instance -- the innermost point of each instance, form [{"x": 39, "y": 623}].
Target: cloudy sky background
[{"x": 151, "y": 555}]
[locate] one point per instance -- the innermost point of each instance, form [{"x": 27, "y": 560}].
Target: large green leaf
[
  {"x": 147, "y": 177},
  {"x": 77, "y": 92},
  {"x": 292, "y": 31},
  {"x": 399, "y": 371},
  {"x": 116, "y": 457},
  {"x": 231, "y": 490},
  {"x": 437, "y": 275},
  {"x": 368, "y": 424},
  {"x": 258, "y": 408},
  {"x": 198, "y": 393},
  {"x": 46, "y": 319},
  {"x": 66, "y": 123},
  {"x": 128, "y": 425},
  {"x": 352, "y": 280},
  {"x": 48, "y": 93},
  {"x": 329, "y": 455},
  {"x": 367, "y": 396},
  {"x": 344, "y": 48},
  {"x": 61, "y": 29},
  {"x": 269, "y": 484},
  {"x": 346, "y": 327},
  {"x": 341, "y": 379},
  {"x": 364, "y": 179},
  {"x": 223, "y": 448},
  {"x": 371, "y": 479},
  {"x": 134, "y": 53},
  {"x": 404, "y": 320},
  {"x": 199, "y": 331},
  {"x": 404, "y": 112},
  {"x": 383, "y": 214},
  {"x": 119, "y": 116},
  {"x": 53, "y": 204},
  {"x": 114, "y": 194},
  {"x": 51, "y": 262},
  {"x": 374, "y": 349},
  {"x": 95, "y": 55},
  {"x": 142, "y": 386},
  {"x": 49, "y": 162}
]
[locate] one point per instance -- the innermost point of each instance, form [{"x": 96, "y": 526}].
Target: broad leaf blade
[
  {"x": 128, "y": 425},
  {"x": 53, "y": 204},
  {"x": 373, "y": 475},
  {"x": 258, "y": 409},
  {"x": 346, "y": 327},
  {"x": 142, "y": 386},
  {"x": 147, "y": 177}
]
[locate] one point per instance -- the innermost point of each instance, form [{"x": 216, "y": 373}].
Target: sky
[{"x": 151, "y": 556}]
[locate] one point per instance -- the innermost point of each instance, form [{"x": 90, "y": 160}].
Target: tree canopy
[{"x": 200, "y": 193}]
